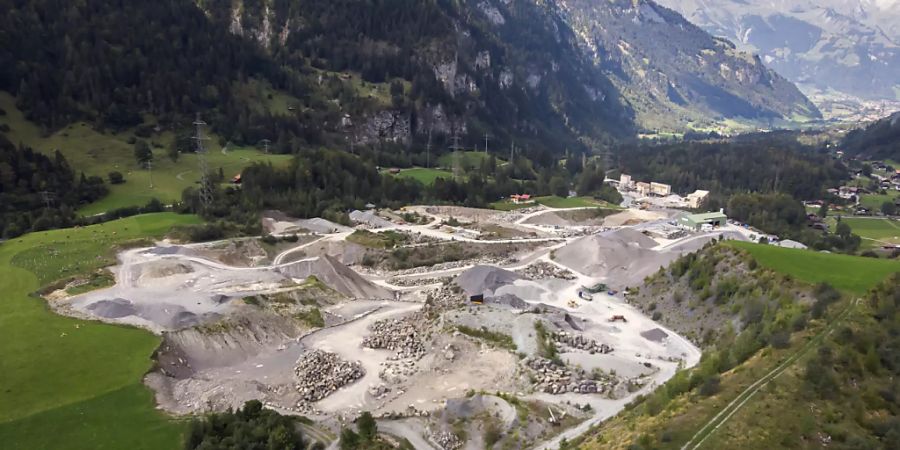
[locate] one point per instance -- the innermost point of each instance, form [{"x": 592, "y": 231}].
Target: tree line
[
  {"x": 331, "y": 183},
  {"x": 38, "y": 192},
  {"x": 759, "y": 163}
]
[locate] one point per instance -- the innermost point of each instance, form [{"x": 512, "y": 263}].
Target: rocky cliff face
[
  {"x": 851, "y": 46},
  {"x": 673, "y": 71},
  {"x": 508, "y": 68},
  {"x": 567, "y": 71}
]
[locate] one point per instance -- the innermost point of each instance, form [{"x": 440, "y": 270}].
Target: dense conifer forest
[{"x": 38, "y": 192}]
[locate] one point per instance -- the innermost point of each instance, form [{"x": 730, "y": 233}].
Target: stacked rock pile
[
  {"x": 542, "y": 270},
  {"x": 401, "y": 335},
  {"x": 447, "y": 440},
  {"x": 579, "y": 342},
  {"x": 552, "y": 378},
  {"x": 320, "y": 374}
]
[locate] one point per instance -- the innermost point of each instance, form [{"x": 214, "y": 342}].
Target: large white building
[
  {"x": 625, "y": 181},
  {"x": 660, "y": 189},
  {"x": 696, "y": 199}
]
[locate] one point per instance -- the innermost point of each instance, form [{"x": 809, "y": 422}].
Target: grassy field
[
  {"x": 780, "y": 415},
  {"x": 467, "y": 159},
  {"x": 853, "y": 274},
  {"x": 875, "y": 232},
  {"x": 553, "y": 202},
  {"x": 506, "y": 205},
  {"x": 425, "y": 176},
  {"x": 571, "y": 202},
  {"x": 98, "y": 154},
  {"x": 67, "y": 383},
  {"x": 874, "y": 201}
]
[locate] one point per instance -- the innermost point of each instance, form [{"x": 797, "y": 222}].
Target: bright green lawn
[
  {"x": 467, "y": 159},
  {"x": 571, "y": 202},
  {"x": 851, "y": 273},
  {"x": 506, "y": 205},
  {"x": 874, "y": 201},
  {"x": 874, "y": 231},
  {"x": 98, "y": 154},
  {"x": 553, "y": 202},
  {"x": 67, "y": 383},
  {"x": 425, "y": 176}
]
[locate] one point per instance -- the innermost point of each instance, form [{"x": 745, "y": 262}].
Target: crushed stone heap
[
  {"x": 320, "y": 374},
  {"x": 400, "y": 335}
]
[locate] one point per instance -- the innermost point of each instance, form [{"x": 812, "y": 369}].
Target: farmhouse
[{"x": 520, "y": 199}]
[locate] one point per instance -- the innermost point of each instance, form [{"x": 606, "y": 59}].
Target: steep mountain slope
[
  {"x": 879, "y": 140},
  {"x": 852, "y": 46},
  {"x": 311, "y": 73},
  {"x": 565, "y": 53},
  {"x": 547, "y": 75},
  {"x": 671, "y": 69}
]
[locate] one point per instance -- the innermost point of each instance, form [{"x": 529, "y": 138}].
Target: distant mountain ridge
[
  {"x": 672, "y": 70},
  {"x": 673, "y": 76},
  {"x": 850, "y": 46},
  {"x": 544, "y": 75}
]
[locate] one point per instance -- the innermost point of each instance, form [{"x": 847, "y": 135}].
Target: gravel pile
[
  {"x": 397, "y": 371},
  {"x": 555, "y": 379},
  {"x": 369, "y": 218},
  {"x": 400, "y": 335},
  {"x": 579, "y": 342},
  {"x": 485, "y": 280},
  {"x": 443, "y": 299},
  {"x": 542, "y": 270},
  {"x": 484, "y": 260},
  {"x": 320, "y": 374},
  {"x": 447, "y": 440},
  {"x": 409, "y": 282}
]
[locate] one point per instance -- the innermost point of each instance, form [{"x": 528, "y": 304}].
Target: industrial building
[
  {"x": 660, "y": 189},
  {"x": 696, "y": 199},
  {"x": 643, "y": 188},
  {"x": 696, "y": 222}
]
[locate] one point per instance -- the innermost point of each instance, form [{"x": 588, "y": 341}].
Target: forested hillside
[
  {"x": 786, "y": 364},
  {"x": 879, "y": 140},
  {"x": 762, "y": 163},
  {"x": 675, "y": 74},
  {"x": 38, "y": 192},
  {"x": 335, "y": 73}
]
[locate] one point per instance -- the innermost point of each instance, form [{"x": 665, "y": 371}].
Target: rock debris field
[{"x": 312, "y": 331}]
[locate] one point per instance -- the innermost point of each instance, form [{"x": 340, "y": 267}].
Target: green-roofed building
[{"x": 697, "y": 221}]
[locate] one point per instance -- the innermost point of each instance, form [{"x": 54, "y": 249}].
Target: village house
[{"x": 520, "y": 199}]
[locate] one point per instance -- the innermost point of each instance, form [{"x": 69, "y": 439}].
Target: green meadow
[
  {"x": 854, "y": 274},
  {"x": 68, "y": 383},
  {"x": 425, "y": 176},
  {"x": 94, "y": 153}
]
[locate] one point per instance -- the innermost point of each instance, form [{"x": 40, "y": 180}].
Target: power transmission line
[
  {"x": 265, "y": 143},
  {"x": 48, "y": 197},
  {"x": 205, "y": 183},
  {"x": 428, "y": 151},
  {"x": 456, "y": 154}
]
